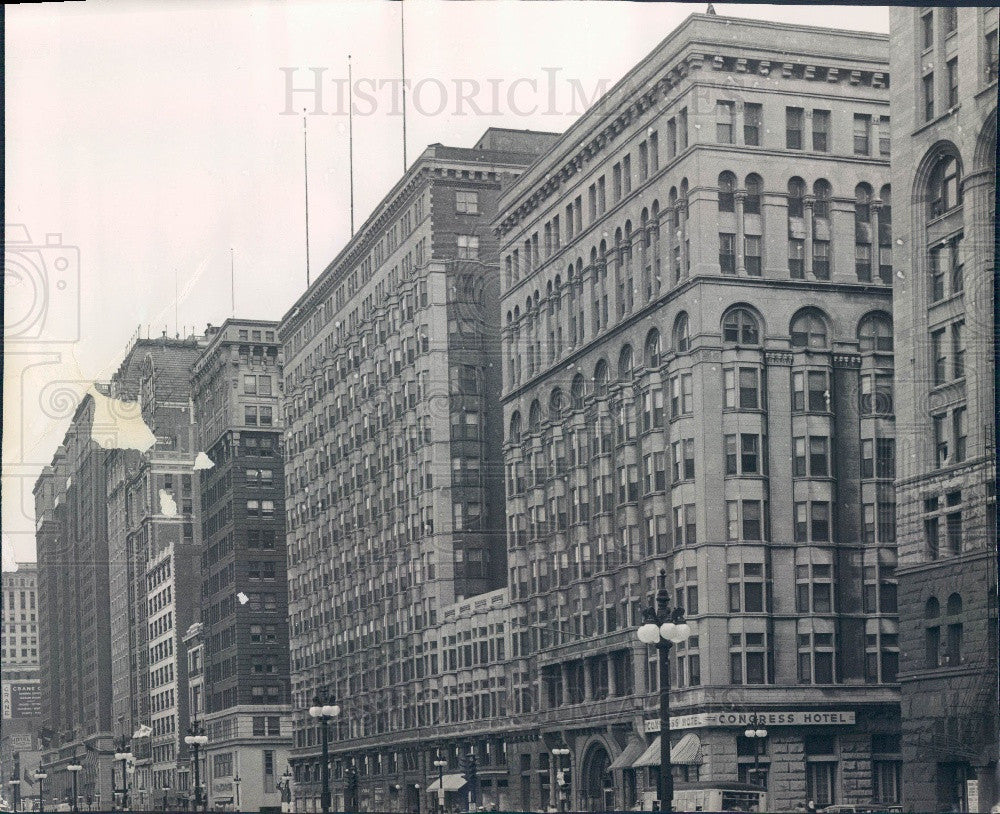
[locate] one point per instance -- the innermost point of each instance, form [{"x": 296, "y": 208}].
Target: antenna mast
[{"x": 305, "y": 166}]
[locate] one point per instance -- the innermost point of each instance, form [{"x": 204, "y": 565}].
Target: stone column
[
  {"x": 807, "y": 215},
  {"x": 588, "y": 684},
  {"x": 564, "y": 674},
  {"x": 612, "y": 680},
  {"x": 741, "y": 267},
  {"x": 876, "y": 208}
]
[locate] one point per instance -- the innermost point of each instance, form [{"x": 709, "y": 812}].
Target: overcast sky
[{"x": 151, "y": 137}]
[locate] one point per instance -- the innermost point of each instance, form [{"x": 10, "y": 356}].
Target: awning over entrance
[
  {"x": 630, "y": 753},
  {"x": 452, "y": 782},
  {"x": 685, "y": 752}
]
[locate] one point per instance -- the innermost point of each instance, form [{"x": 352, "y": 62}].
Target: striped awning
[
  {"x": 684, "y": 753},
  {"x": 452, "y": 782},
  {"x": 633, "y": 750}
]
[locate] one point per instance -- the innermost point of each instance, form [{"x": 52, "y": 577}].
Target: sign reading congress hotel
[{"x": 700, "y": 720}]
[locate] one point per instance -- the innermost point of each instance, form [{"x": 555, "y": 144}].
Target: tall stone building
[
  {"x": 244, "y": 700},
  {"x": 155, "y": 563},
  {"x": 19, "y": 683},
  {"x": 393, "y": 486},
  {"x": 74, "y": 636},
  {"x": 944, "y": 107},
  {"x": 696, "y": 286}
]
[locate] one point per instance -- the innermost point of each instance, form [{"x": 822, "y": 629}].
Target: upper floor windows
[
  {"x": 755, "y": 186},
  {"x": 577, "y": 392},
  {"x": 625, "y": 364},
  {"x": 796, "y": 196},
  {"x": 601, "y": 378},
  {"x": 651, "y": 352},
  {"x": 682, "y": 336},
  {"x": 808, "y": 329},
  {"x": 740, "y": 327},
  {"x": 725, "y": 121},
  {"x": 794, "y": 123},
  {"x": 944, "y": 186},
  {"x": 875, "y": 333},
  {"x": 727, "y": 192}
]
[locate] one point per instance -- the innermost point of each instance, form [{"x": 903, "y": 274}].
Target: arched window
[
  {"x": 755, "y": 187},
  {"x": 932, "y": 609},
  {"x": 945, "y": 185},
  {"x": 954, "y": 606},
  {"x": 652, "y": 350},
  {"x": 625, "y": 364},
  {"x": 535, "y": 417},
  {"x": 515, "y": 428},
  {"x": 862, "y": 203},
  {"x": 727, "y": 192},
  {"x": 682, "y": 337},
  {"x": 796, "y": 192},
  {"x": 644, "y": 227},
  {"x": 556, "y": 404},
  {"x": 577, "y": 391},
  {"x": 875, "y": 332},
  {"x": 822, "y": 192},
  {"x": 809, "y": 329},
  {"x": 601, "y": 378},
  {"x": 673, "y": 207},
  {"x": 740, "y": 326}
]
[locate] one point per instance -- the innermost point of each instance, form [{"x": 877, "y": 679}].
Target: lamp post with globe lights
[
  {"x": 74, "y": 769},
  {"x": 756, "y": 733},
  {"x": 196, "y": 739},
  {"x": 324, "y": 713},
  {"x": 123, "y": 754},
  {"x": 285, "y": 787},
  {"x": 664, "y": 628},
  {"x": 39, "y": 776},
  {"x": 440, "y": 764}
]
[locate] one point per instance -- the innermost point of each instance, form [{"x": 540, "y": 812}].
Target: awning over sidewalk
[
  {"x": 452, "y": 782},
  {"x": 635, "y": 748},
  {"x": 684, "y": 753}
]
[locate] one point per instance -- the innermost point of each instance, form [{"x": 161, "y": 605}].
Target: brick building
[
  {"x": 944, "y": 104},
  {"x": 74, "y": 634},
  {"x": 244, "y": 703},
  {"x": 696, "y": 288},
  {"x": 392, "y": 448},
  {"x": 155, "y": 563}
]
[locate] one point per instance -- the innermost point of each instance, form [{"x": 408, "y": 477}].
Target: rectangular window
[
  {"x": 468, "y": 247},
  {"x": 884, "y": 137},
  {"x": 821, "y": 130},
  {"x": 616, "y": 179},
  {"x": 467, "y": 203},
  {"x": 671, "y": 138},
  {"x": 796, "y": 258},
  {"x": 682, "y": 129},
  {"x": 939, "y": 257},
  {"x": 821, "y": 259},
  {"x": 794, "y": 117},
  {"x": 928, "y": 84},
  {"x": 958, "y": 349},
  {"x": 727, "y": 253},
  {"x": 753, "y": 122},
  {"x": 991, "y": 46},
  {"x": 725, "y": 115},
  {"x": 952, "y": 81},
  {"x": 862, "y": 134},
  {"x": 820, "y": 521},
  {"x": 939, "y": 358},
  {"x": 927, "y": 29},
  {"x": 940, "y": 440},
  {"x": 752, "y": 256},
  {"x": 959, "y": 433}
]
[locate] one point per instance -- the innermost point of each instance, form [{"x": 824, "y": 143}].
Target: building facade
[
  {"x": 74, "y": 636},
  {"x": 19, "y": 683},
  {"x": 156, "y": 562},
  {"x": 244, "y": 703},
  {"x": 696, "y": 286},
  {"x": 392, "y": 448},
  {"x": 944, "y": 103}
]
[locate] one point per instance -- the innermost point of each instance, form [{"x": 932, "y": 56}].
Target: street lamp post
[
  {"x": 15, "y": 792},
  {"x": 39, "y": 776},
  {"x": 124, "y": 756},
  {"x": 756, "y": 732},
  {"x": 560, "y": 752},
  {"x": 74, "y": 769},
  {"x": 324, "y": 713},
  {"x": 440, "y": 767},
  {"x": 236, "y": 784},
  {"x": 196, "y": 738},
  {"x": 417, "y": 787},
  {"x": 664, "y": 628}
]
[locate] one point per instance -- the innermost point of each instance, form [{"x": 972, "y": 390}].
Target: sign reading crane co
[{"x": 701, "y": 720}]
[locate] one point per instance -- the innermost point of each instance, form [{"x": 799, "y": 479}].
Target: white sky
[{"x": 150, "y": 136}]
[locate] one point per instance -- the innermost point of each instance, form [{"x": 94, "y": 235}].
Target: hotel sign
[{"x": 701, "y": 720}]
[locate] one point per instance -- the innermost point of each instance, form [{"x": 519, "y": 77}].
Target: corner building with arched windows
[
  {"x": 698, "y": 378},
  {"x": 944, "y": 108}
]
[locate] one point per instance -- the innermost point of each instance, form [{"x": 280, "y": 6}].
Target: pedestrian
[{"x": 811, "y": 807}]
